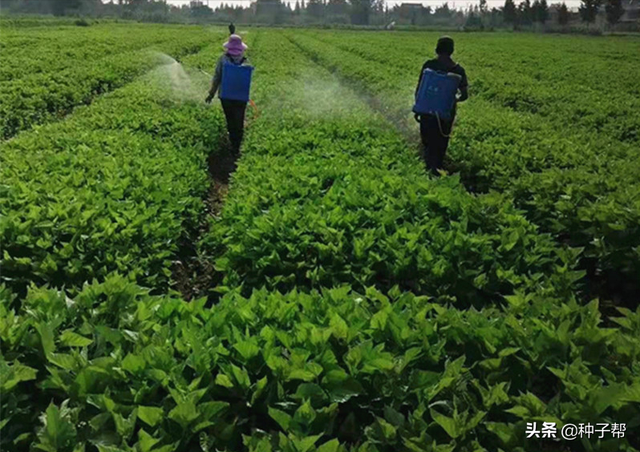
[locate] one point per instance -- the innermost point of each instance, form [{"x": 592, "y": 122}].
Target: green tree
[
  {"x": 534, "y": 10},
  {"x": 483, "y": 11},
  {"x": 473, "y": 19},
  {"x": 614, "y": 11},
  {"x": 315, "y": 8},
  {"x": 509, "y": 12},
  {"x": 525, "y": 13},
  {"x": 61, "y": 7},
  {"x": 563, "y": 14},
  {"x": 201, "y": 12},
  {"x": 360, "y": 11},
  {"x": 540, "y": 11},
  {"x": 443, "y": 11},
  {"x": 589, "y": 10}
]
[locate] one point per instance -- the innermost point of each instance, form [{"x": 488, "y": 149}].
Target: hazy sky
[{"x": 432, "y": 3}]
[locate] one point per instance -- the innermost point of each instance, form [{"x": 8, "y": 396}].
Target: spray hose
[
  {"x": 440, "y": 125},
  {"x": 255, "y": 108}
]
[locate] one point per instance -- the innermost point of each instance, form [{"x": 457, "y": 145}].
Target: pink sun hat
[{"x": 234, "y": 46}]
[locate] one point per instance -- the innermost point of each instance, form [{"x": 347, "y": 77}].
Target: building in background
[
  {"x": 631, "y": 11},
  {"x": 410, "y": 13}
]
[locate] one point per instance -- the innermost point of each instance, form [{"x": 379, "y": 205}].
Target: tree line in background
[
  {"x": 527, "y": 13},
  {"x": 349, "y": 12}
]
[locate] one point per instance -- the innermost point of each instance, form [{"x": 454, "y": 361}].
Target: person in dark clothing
[
  {"x": 234, "y": 110},
  {"x": 435, "y": 131},
  {"x": 232, "y": 29}
]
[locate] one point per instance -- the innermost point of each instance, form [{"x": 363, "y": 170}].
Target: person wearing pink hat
[{"x": 234, "y": 110}]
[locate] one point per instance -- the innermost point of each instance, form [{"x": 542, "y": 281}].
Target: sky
[{"x": 432, "y": 3}]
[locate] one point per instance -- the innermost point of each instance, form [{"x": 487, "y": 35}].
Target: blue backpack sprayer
[
  {"x": 436, "y": 95},
  {"x": 236, "y": 83}
]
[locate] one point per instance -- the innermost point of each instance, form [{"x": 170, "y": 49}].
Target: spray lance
[{"x": 256, "y": 112}]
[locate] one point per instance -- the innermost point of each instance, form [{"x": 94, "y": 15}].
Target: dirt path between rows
[{"x": 192, "y": 273}]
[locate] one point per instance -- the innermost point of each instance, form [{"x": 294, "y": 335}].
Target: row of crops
[
  {"x": 107, "y": 190},
  {"x": 45, "y": 73},
  {"x": 561, "y": 144},
  {"x": 359, "y": 304}
]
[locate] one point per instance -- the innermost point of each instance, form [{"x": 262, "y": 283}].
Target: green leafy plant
[
  {"x": 560, "y": 143},
  {"x": 110, "y": 189},
  {"x": 334, "y": 370}
]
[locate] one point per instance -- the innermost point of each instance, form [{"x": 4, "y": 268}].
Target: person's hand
[
  {"x": 209, "y": 98},
  {"x": 416, "y": 116}
]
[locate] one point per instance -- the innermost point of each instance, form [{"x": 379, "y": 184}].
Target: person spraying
[
  {"x": 441, "y": 86},
  {"x": 232, "y": 77}
]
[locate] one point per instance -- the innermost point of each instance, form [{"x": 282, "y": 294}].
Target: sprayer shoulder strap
[{"x": 231, "y": 61}]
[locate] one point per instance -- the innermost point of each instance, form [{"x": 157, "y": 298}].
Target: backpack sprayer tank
[
  {"x": 236, "y": 82},
  {"x": 437, "y": 94}
]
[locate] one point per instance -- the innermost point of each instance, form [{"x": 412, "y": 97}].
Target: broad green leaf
[
  {"x": 335, "y": 376},
  {"x": 388, "y": 431},
  {"x": 282, "y": 418},
  {"x": 305, "y": 414},
  {"x": 241, "y": 376},
  {"x": 339, "y": 327},
  {"x": 124, "y": 426},
  {"x": 379, "y": 320},
  {"x": 632, "y": 393},
  {"x": 133, "y": 363},
  {"x": 609, "y": 396},
  {"x": 11, "y": 375},
  {"x": 98, "y": 421},
  {"x": 46, "y": 338},
  {"x": 152, "y": 416},
  {"x": 146, "y": 441},
  {"x": 58, "y": 432},
  {"x": 310, "y": 391},
  {"x": 520, "y": 411},
  {"x": 341, "y": 392},
  {"x": 247, "y": 349},
  {"x": 211, "y": 410},
  {"x": 259, "y": 389},
  {"x": 506, "y": 432},
  {"x": 301, "y": 374},
  {"x": 184, "y": 413},
  {"x": 63, "y": 360},
  {"x": 223, "y": 380},
  {"x": 330, "y": 446},
  {"x": 508, "y": 351},
  {"x": 381, "y": 364},
  {"x": 393, "y": 417},
  {"x": 71, "y": 339},
  {"x": 305, "y": 444},
  {"x": 448, "y": 424}
]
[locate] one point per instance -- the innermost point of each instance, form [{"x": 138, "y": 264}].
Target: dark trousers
[
  {"x": 234, "y": 111},
  {"x": 434, "y": 141}
]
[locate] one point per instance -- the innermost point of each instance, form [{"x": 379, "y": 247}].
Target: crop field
[{"x": 324, "y": 293}]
